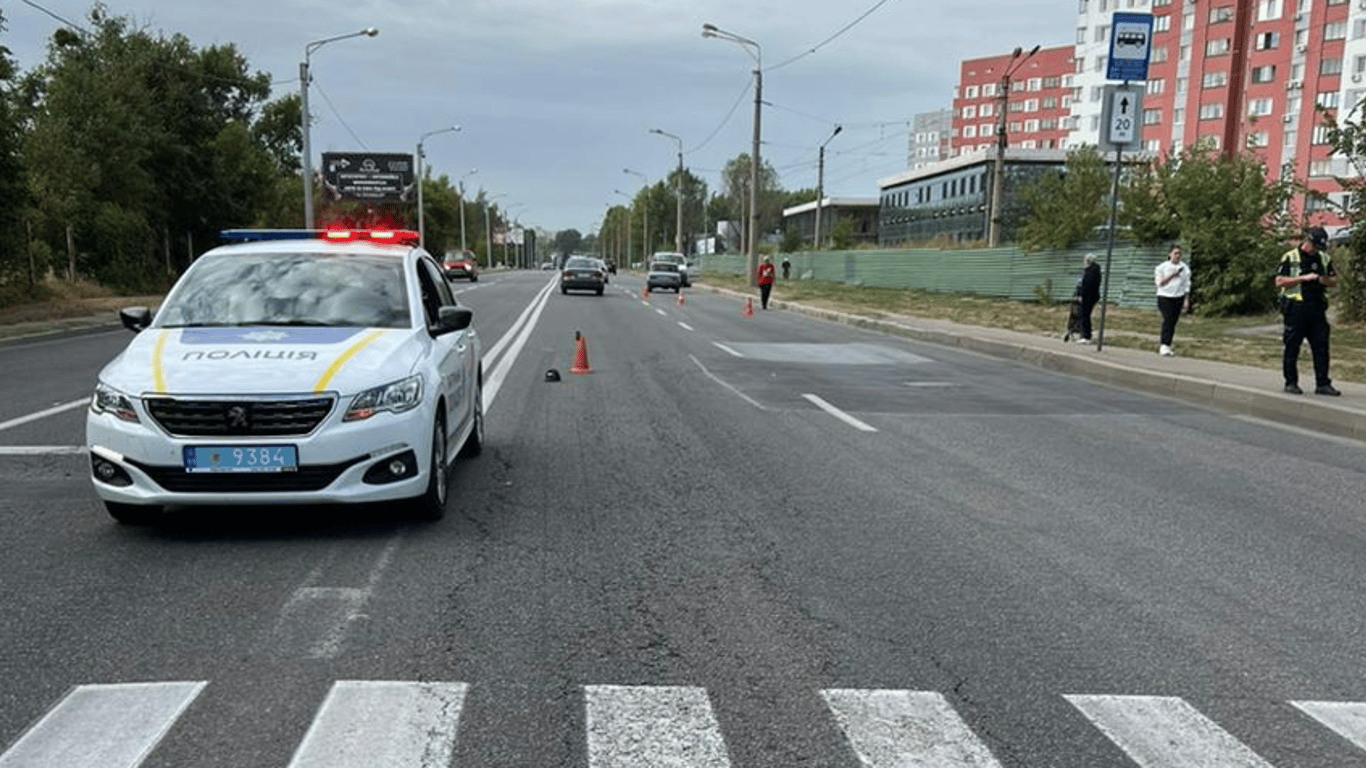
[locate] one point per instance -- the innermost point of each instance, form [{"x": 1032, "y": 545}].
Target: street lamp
[
  {"x": 488, "y": 231},
  {"x": 711, "y": 30},
  {"x": 462, "y": 206},
  {"x": 998, "y": 172},
  {"x": 303, "y": 106},
  {"x": 507, "y": 229},
  {"x": 421, "y": 210},
  {"x": 645, "y": 216},
  {"x": 820, "y": 187},
  {"x": 678, "y": 235}
]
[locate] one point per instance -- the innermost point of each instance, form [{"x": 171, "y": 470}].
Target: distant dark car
[
  {"x": 663, "y": 274},
  {"x": 583, "y": 273},
  {"x": 460, "y": 265},
  {"x": 611, "y": 266}
]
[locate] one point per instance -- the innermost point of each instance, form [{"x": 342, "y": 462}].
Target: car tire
[
  {"x": 564, "y": 291},
  {"x": 474, "y": 278},
  {"x": 431, "y": 505},
  {"x": 599, "y": 291},
  {"x": 132, "y": 514},
  {"x": 474, "y": 444}
]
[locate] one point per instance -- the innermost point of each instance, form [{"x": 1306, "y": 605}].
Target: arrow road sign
[{"x": 1122, "y": 118}]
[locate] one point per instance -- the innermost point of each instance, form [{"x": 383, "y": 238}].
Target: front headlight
[
  {"x": 398, "y": 397},
  {"x": 109, "y": 400}
]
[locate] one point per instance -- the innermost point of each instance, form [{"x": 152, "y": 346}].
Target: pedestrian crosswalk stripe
[
  {"x": 103, "y": 726},
  {"x": 906, "y": 729},
  {"x": 367, "y": 723},
  {"x": 652, "y": 727},
  {"x": 1165, "y": 732},
  {"x": 1346, "y": 718}
]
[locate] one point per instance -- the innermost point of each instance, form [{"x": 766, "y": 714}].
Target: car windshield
[
  {"x": 289, "y": 289},
  {"x": 580, "y": 263},
  {"x": 663, "y": 266}
]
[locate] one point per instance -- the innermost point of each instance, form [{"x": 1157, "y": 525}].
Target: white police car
[{"x": 291, "y": 367}]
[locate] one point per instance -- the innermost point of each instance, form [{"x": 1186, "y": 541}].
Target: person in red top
[{"x": 765, "y": 278}]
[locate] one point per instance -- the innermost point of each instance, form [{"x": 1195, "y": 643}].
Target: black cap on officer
[{"x": 1317, "y": 236}]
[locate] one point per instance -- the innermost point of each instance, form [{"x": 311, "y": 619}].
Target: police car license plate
[{"x": 241, "y": 458}]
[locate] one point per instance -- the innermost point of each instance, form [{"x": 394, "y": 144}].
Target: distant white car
[
  {"x": 676, "y": 258},
  {"x": 291, "y": 367}
]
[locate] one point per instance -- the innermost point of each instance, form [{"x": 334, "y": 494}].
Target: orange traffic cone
[
  {"x": 645, "y": 292},
  {"x": 749, "y": 306},
  {"x": 580, "y": 355},
  {"x": 680, "y": 298}
]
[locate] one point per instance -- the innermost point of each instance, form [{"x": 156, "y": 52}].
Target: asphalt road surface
[{"x": 737, "y": 541}]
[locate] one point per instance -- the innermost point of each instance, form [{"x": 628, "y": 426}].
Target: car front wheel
[
  {"x": 431, "y": 505},
  {"x": 474, "y": 444}
]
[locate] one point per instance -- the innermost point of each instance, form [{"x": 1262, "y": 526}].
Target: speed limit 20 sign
[{"x": 1121, "y": 118}]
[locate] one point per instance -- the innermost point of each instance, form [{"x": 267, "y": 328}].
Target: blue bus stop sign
[{"x": 1131, "y": 45}]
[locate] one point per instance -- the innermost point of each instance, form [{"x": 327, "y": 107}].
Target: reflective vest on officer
[{"x": 1292, "y": 292}]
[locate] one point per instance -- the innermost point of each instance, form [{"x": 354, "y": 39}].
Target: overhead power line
[{"x": 831, "y": 38}]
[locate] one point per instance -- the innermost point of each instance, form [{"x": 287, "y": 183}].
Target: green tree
[
  {"x": 1347, "y": 135},
  {"x": 15, "y": 253},
  {"x": 1225, "y": 211},
  {"x": 735, "y": 179},
  {"x": 1064, "y": 208},
  {"x": 568, "y": 241}
]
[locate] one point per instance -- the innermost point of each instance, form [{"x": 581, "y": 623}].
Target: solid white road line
[
  {"x": 1165, "y": 732},
  {"x": 40, "y": 450},
  {"x": 103, "y": 726},
  {"x": 717, "y": 379},
  {"x": 54, "y": 410},
  {"x": 1346, "y": 718},
  {"x": 906, "y": 729},
  {"x": 841, "y": 415},
  {"x": 652, "y": 726},
  {"x": 514, "y": 340},
  {"x": 369, "y": 723}
]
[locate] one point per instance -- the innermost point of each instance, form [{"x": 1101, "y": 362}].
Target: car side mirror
[
  {"x": 453, "y": 318},
  {"x": 135, "y": 318}
]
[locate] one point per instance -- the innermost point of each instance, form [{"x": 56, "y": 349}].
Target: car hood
[{"x": 263, "y": 360}]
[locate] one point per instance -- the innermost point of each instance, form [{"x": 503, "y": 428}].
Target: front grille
[
  {"x": 238, "y": 418},
  {"x": 308, "y": 478}
]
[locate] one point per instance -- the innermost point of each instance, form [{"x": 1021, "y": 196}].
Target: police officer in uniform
[{"x": 1303, "y": 277}]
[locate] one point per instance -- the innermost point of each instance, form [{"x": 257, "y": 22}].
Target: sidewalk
[{"x": 1221, "y": 386}]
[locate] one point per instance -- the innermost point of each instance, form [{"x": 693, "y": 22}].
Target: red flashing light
[{"x": 389, "y": 236}]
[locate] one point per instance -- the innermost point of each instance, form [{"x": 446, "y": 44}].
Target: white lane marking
[
  {"x": 841, "y": 415},
  {"x": 1165, "y": 732},
  {"x": 369, "y": 723},
  {"x": 928, "y": 383},
  {"x": 54, "y": 410},
  {"x": 1346, "y": 718},
  {"x": 685, "y": 326},
  {"x": 325, "y": 614},
  {"x": 41, "y": 450},
  {"x": 661, "y": 312},
  {"x": 652, "y": 726},
  {"x": 727, "y": 349},
  {"x": 718, "y": 380},
  {"x": 514, "y": 340},
  {"x": 103, "y": 726},
  {"x": 904, "y": 729}
]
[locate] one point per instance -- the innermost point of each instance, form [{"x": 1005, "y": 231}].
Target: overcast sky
[{"x": 556, "y": 97}]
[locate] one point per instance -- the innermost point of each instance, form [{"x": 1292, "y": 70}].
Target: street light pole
[
  {"x": 462, "y": 207},
  {"x": 820, "y": 188},
  {"x": 678, "y": 235},
  {"x": 303, "y": 107},
  {"x": 711, "y": 30},
  {"x": 999, "y": 170},
  {"x": 421, "y": 210}
]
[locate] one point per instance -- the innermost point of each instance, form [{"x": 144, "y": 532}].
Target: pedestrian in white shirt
[{"x": 1173, "y": 281}]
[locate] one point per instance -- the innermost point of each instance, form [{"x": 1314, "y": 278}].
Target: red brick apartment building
[{"x": 1038, "y": 102}]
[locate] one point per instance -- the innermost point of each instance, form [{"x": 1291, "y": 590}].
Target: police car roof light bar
[{"x": 394, "y": 236}]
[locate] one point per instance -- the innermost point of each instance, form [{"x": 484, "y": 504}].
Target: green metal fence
[{"x": 1007, "y": 273}]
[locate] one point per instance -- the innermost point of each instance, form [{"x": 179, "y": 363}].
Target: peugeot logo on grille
[{"x": 238, "y": 417}]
